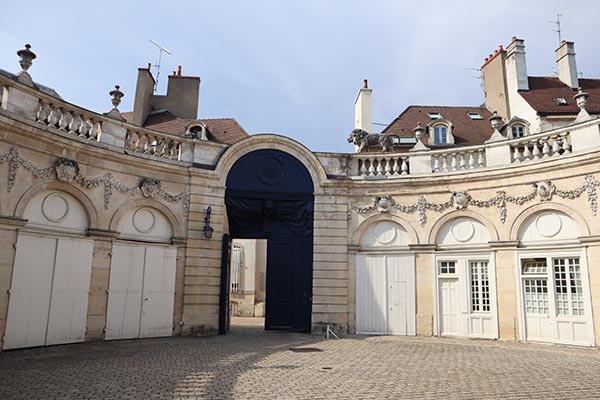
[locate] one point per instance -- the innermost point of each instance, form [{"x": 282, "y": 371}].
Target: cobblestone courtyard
[{"x": 250, "y": 364}]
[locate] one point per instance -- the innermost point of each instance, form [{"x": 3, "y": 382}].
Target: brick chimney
[
  {"x": 362, "y": 109},
  {"x": 516, "y": 66},
  {"x": 565, "y": 62},
  {"x": 493, "y": 74}
]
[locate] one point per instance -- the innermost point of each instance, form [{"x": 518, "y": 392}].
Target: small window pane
[
  {"x": 447, "y": 267},
  {"x": 439, "y": 134}
]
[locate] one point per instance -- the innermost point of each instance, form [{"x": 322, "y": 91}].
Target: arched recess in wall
[
  {"x": 146, "y": 220},
  {"x": 60, "y": 187},
  {"x": 551, "y": 218},
  {"x": 464, "y": 226},
  {"x": 385, "y": 276},
  {"x": 270, "y": 141},
  {"x": 52, "y": 267},
  {"x": 553, "y": 280},
  {"x": 372, "y": 232},
  {"x": 141, "y": 288}
]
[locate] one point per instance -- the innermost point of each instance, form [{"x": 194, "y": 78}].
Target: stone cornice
[
  {"x": 504, "y": 244},
  {"x": 12, "y": 221}
]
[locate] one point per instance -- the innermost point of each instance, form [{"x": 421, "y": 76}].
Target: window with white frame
[
  {"x": 440, "y": 134},
  {"x": 480, "y": 286},
  {"x": 447, "y": 267},
  {"x": 236, "y": 268},
  {"x": 536, "y": 296},
  {"x": 567, "y": 282},
  {"x": 517, "y": 130}
]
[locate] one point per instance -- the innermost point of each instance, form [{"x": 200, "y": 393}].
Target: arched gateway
[{"x": 269, "y": 196}]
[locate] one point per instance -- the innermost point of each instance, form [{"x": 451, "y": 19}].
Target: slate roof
[
  {"x": 466, "y": 131},
  {"x": 222, "y": 130},
  {"x": 543, "y": 90}
]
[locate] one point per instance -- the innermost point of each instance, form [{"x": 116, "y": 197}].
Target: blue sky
[{"x": 292, "y": 67}]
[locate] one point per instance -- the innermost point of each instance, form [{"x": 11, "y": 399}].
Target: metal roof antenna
[
  {"x": 557, "y": 22},
  {"x": 157, "y": 65}
]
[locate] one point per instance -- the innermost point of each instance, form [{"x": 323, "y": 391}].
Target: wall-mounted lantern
[{"x": 208, "y": 230}]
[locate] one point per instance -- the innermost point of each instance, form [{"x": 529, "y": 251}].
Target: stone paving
[{"x": 251, "y": 364}]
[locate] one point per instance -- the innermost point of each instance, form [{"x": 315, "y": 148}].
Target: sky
[{"x": 292, "y": 67}]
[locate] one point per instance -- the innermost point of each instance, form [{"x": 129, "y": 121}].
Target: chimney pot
[
  {"x": 149, "y": 65},
  {"x": 563, "y": 42},
  {"x": 495, "y": 52},
  {"x": 179, "y": 70},
  {"x": 486, "y": 60},
  {"x": 174, "y": 73},
  {"x": 365, "y": 84},
  {"x": 514, "y": 38},
  {"x": 500, "y": 48}
]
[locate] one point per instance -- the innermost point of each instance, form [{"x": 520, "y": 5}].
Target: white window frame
[{"x": 435, "y": 134}]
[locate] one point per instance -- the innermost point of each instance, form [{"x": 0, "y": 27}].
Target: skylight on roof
[
  {"x": 434, "y": 115},
  {"x": 474, "y": 115},
  {"x": 561, "y": 101}
]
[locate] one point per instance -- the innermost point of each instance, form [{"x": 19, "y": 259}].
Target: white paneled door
[
  {"x": 141, "y": 292},
  {"x": 49, "y": 292},
  {"x": 449, "y": 309},
  {"x": 385, "y": 294}
]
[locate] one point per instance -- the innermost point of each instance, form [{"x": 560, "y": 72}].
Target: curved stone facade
[{"x": 475, "y": 251}]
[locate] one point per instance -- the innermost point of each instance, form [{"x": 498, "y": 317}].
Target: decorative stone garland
[
  {"x": 68, "y": 170},
  {"x": 543, "y": 190}
]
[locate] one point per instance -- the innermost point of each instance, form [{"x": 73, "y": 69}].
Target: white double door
[
  {"x": 49, "y": 291},
  {"x": 385, "y": 294},
  {"x": 141, "y": 291}
]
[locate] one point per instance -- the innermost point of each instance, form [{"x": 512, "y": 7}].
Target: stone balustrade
[
  {"x": 538, "y": 147},
  {"x": 82, "y": 124},
  {"x": 381, "y": 165},
  {"x": 153, "y": 144},
  {"x": 457, "y": 159}
]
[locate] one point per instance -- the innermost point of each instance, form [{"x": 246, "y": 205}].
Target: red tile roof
[
  {"x": 222, "y": 130},
  {"x": 466, "y": 131},
  {"x": 543, "y": 90}
]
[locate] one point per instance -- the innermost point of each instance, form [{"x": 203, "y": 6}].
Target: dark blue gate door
[{"x": 270, "y": 195}]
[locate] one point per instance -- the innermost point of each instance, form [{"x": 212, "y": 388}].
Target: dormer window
[
  {"x": 434, "y": 115},
  {"x": 517, "y": 130},
  {"x": 561, "y": 101},
  {"x": 440, "y": 134}
]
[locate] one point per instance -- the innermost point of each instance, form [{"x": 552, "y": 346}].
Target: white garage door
[
  {"x": 49, "y": 292},
  {"x": 141, "y": 292},
  {"x": 385, "y": 294}
]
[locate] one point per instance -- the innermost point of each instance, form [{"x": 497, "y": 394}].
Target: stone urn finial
[
  {"x": 581, "y": 98},
  {"x": 495, "y": 122},
  {"x": 117, "y": 95},
  {"x": 26, "y": 57},
  {"x": 419, "y": 133}
]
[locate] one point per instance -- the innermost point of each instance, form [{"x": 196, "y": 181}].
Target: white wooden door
[
  {"x": 49, "y": 292},
  {"x": 449, "y": 307},
  {"x": 158, "y": 292},
  {"x": 125, "y": 292},
  {"x": 30, "y": 292},
  {"x": 70, "y": 291},
  {"x": 141, "y": 292},
  {"x": 385, "y": 294}
]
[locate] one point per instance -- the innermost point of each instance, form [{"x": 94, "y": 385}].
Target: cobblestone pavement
[{"x": 250, "y": 364}]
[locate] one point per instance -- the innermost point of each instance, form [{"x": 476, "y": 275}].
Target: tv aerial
[
  {"x": 557, "y": 23},
  {"x": 157, "y": 65}
]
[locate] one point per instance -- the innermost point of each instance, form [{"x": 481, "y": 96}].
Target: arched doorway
[{"x": 269, "y": 195}]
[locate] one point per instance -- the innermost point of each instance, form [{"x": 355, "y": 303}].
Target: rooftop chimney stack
[
  {"x": 362, "y": 109},
  {"x": 565, "y": 62},
  {"x": 516, "y": 66}
]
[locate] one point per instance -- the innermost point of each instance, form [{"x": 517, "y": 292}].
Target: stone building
[{"x": 119, "y": 225}]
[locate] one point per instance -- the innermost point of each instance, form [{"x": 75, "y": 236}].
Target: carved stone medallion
[
  {"x": 66, "y": 169},
  {"x": 150, "y": 187},
  {"x": 544, "y": 190},
  {"x": 383, "y": 203},
  {"x": 460, "y": 200}
]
